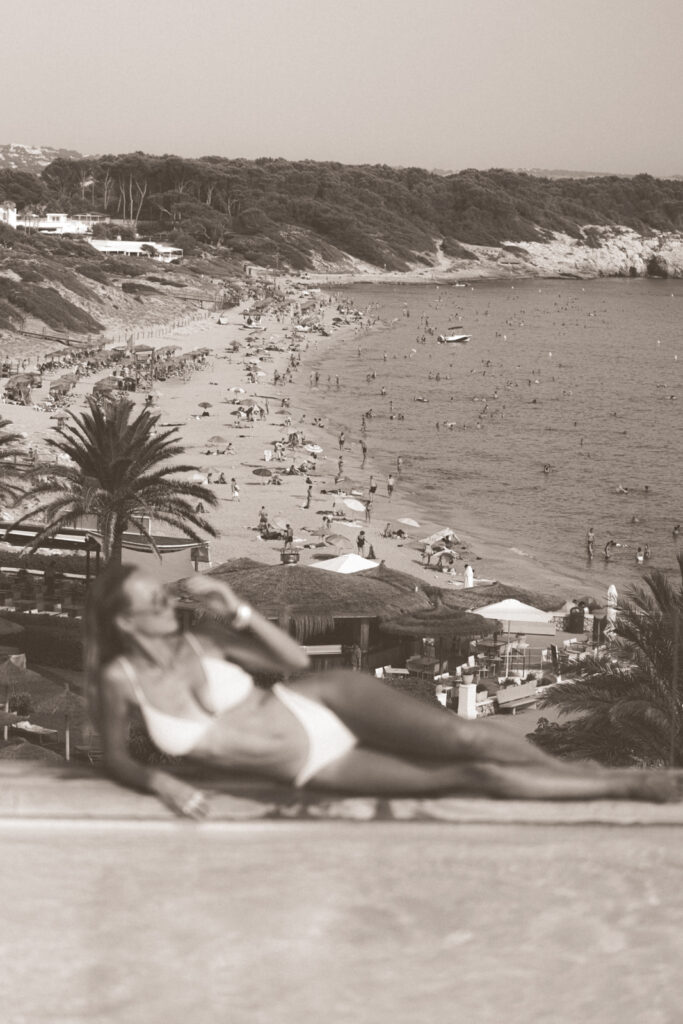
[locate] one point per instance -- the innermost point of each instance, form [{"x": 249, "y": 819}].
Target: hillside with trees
[
  {"x": 308, "y": 215},
  {"x": 273, "y": 210}
]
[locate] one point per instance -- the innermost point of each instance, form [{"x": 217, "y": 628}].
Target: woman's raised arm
[{"x": 255, "y": 643}]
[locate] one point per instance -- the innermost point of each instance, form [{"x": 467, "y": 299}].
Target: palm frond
[{"x": 120, "y": 467}]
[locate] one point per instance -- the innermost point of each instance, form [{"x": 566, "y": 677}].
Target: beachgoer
[
  {"x": 368, "y": 510},
  {"x": 360, "y": 542},
  {"x": 234, "y": 489},
  {"x": 356, "y": 657},
  {"x": 399, "y": 465},
  {"x": 342, "y": 438},
  {"x": 646, "y": 552},
  {"x": 676, "y": 532},
  {"x": 640, "y": 556},
  {"x": 221, "y": 479},
  {"x": 608, "y": 549},
  {"x": 391, "y": 483},
  {"x": 590, "y": 542},
  {"x": 364, "y": 450},
  {"x": 468, "y": 576},
  {"x": 330, "y": 731},
  {"x": 372, "y": 486},
  {"x": 309, "y": 493}
]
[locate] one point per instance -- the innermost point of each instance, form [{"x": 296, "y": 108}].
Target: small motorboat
[{"x": 458, "y": 339}]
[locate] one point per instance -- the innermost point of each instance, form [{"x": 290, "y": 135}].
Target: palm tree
[
  {"x": 119, "y": 469},
  {"x": 10, "y": 451},
  {"x": 627, "y": 704}
]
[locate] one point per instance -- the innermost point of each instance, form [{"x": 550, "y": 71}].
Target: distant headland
[{"x": 339, "y": 221}]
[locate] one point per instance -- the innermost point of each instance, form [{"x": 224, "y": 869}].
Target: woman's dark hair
[{"x": 102, "y": 641}]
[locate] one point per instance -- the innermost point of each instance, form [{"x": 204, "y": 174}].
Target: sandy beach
[{"x": 243, "y": 456}]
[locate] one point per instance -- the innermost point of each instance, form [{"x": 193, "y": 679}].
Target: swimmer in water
[
  {"x": 608, "y": 549},
  {"x": 546, "y": 468}
]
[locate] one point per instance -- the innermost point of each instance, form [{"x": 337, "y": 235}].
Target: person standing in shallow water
[
  {"x": 590, "y": 543},
  {"x": 391, "y": 483},
  {"x": 334, "y": 731}
]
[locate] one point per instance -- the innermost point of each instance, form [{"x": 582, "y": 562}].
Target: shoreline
[
  {"x": 490, "y": 558},
  {"x": 237, "y": 520}
]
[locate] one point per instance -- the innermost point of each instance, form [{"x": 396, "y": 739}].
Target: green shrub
[
  {"x": 122, "y": 268},
  {"x": 137, "y": 288},
  {"x": 29, "y": 275},
  {"x": 94, "y": 271}
]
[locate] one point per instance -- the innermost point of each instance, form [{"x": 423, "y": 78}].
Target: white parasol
[{"x": 514, "y": 613}]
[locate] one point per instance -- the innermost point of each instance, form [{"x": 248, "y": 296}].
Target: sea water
[{"x": 566, "y": 392}]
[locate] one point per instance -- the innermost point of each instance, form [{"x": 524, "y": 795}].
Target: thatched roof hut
[
  {"x": 446, "y": 624},
  {"x": 479, "y": 596},
  {"x": 311, "y": 601}
]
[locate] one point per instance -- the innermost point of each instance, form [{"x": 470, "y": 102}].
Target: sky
[{"x": 585, "y": 85}]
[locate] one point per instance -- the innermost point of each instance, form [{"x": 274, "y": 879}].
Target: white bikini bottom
[{"x": 328, "y": 737}]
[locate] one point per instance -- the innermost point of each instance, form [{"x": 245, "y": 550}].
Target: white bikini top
[{"x": 228, "y": 685}]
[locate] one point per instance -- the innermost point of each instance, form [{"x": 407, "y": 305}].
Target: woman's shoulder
[{"x": 117, "y": 674}]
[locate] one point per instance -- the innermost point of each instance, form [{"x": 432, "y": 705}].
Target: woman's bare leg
[
  {"x": 387, "y": 720},
  {"x": 371, "y": 772}
]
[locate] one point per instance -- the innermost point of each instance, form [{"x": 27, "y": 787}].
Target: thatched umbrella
[
  {"x": 310, "y": 600},
  {"x": 475, "y": 597},
  {"x": 447, "y": 624}
]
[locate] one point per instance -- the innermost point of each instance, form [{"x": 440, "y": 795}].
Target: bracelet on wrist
[{"x": 242, "y": 617}]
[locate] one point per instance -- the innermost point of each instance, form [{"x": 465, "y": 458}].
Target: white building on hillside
[
  {"x": 149, "y": 250},
  {"x": 8, "y": 213},
  {"x": 61, "y": 223}
]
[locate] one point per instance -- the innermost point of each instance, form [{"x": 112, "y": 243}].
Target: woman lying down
[{"x": 332, "y": 731}]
